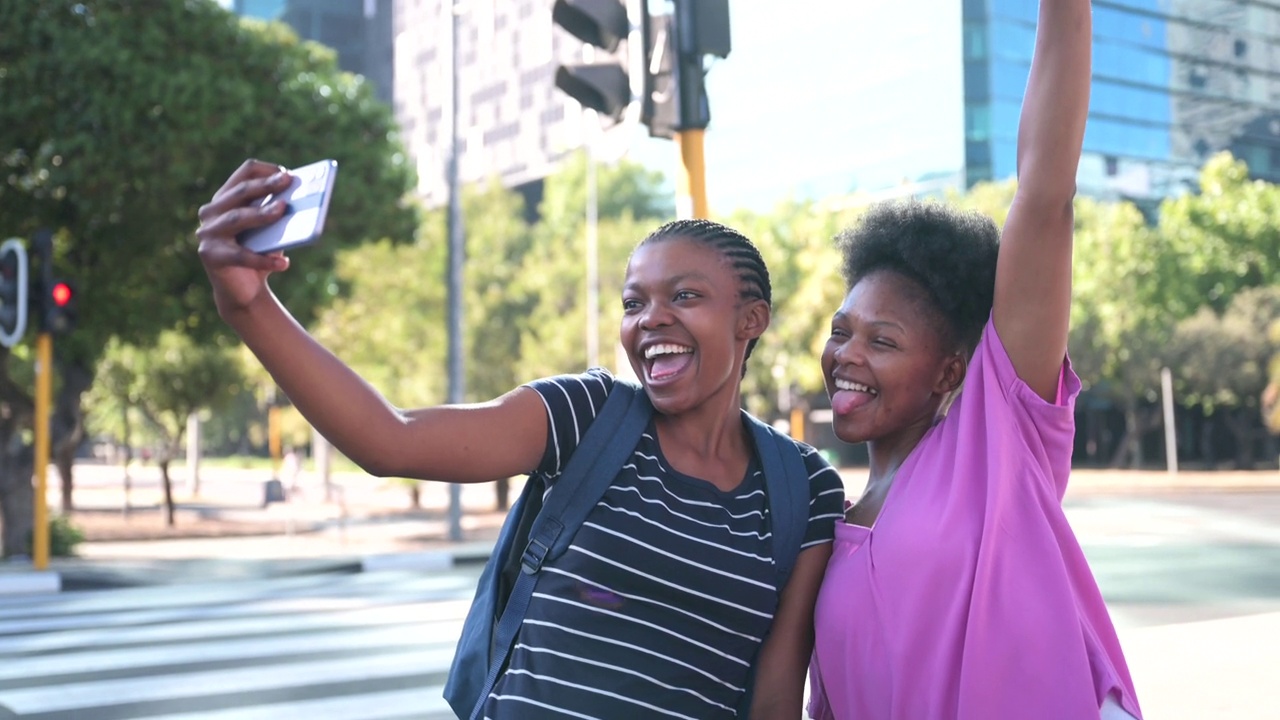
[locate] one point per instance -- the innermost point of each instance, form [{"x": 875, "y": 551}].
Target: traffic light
[
  {"x": 13, "y": 291},
  {"x": 603, "y": 24},
  {"x": 59, "y": 315},
  {"x": 53, "y": 301}
]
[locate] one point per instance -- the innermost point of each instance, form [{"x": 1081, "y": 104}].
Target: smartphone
[{"x": 306, "y": 206}]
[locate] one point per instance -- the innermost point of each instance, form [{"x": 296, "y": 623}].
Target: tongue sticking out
[
  {"x": 665, "y": 366},
  {"x": 846, "y": 401}
]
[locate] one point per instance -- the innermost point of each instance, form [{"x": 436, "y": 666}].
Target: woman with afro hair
[{"x": 956, "y": 589}]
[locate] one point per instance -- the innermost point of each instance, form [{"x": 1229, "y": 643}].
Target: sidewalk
[{"x": 227, "y": 533}]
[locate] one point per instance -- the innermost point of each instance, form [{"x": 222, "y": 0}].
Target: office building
[
  {"x": 514, "y": 125},
  {"x": 359, "y": 31},
  {"x": 1174, "y": 81}
]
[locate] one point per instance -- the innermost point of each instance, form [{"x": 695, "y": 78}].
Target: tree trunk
[
  {"x": 1242, "y": 431},
  {"x": 415, "y": 495},
  {"x": 1207, "y": 452},
  {"x": 168, "y": 491},
  {"x": 502, "y": 492},
  {"x": 1137, "y": 423},
  {"x": 17, "y": 497},
  {"x": 67, "y": 424}
]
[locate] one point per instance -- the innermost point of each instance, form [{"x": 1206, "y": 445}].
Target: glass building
[{"x": 1174, "y": 81}]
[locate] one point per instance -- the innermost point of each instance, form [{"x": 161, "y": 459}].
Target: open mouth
[
  {"x": 850, "y": 396},
  {"x": 666, "y": 360}
]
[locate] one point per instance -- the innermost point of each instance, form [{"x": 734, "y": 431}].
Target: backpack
[{"x": 535, "y": 533}]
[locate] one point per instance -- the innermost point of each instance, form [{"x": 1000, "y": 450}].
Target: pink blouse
[{"x": 970, "y": 599}]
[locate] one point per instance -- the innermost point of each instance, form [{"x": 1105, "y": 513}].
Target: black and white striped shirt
[{"x": 659, "y": 605}]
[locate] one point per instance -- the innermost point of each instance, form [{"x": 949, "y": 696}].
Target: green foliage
[
  {"x": 121, "y": 118},
  {"x": 64, "y": 536},
  {"x": 162, "y": 385}
]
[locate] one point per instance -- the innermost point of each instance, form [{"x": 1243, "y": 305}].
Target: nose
[
  {"x": 655, "y": 315},
  {"x": 849, "y": 352}
]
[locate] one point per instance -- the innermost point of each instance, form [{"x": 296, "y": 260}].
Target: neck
[
  {"x": 712, "y": 429},
  {"x": 888, "y": 453}
]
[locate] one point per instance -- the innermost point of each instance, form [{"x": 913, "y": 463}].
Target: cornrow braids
[{"x": 741, "y": 253}]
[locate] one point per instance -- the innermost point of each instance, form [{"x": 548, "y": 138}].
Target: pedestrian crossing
[{"x": 367, "y": 646}]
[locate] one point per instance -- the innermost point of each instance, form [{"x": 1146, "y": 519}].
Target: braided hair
[{"x": 741, "y": 253}]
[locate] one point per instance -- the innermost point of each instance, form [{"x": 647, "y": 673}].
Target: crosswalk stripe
[
  {"x": 99, "y": 661},
  {"x": 442, "y": 612},
  {"x": 373, "y": 706},
  {"x": 373, "y": 646},
  {"x": 88, "y": 694}
]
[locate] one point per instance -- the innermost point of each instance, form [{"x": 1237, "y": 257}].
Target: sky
[{"x": 804, "y": 106}]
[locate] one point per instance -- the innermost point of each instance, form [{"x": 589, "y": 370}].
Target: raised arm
[
  {"x": 1033, "y": 275},
  {"x": 453, "y": 443}
]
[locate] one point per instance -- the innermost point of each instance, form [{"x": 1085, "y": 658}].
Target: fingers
[
  {"x": 218, "y": 253},
  {"x": 230, "y": 223},
  {"x": 243, "y": 193},
  {"x": 249, "y": 170}
]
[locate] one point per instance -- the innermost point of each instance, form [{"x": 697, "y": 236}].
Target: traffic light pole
[
  {"x": 44, "y": 398},
  {"x": 691, "y": 188}
]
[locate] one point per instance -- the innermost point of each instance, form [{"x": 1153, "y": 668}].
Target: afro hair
[{"x": 950, "y": 253}]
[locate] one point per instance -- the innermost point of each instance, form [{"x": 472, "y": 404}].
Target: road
[
  {"x": 370, "y": 646},
  {"x": 1192, "y": 580}
]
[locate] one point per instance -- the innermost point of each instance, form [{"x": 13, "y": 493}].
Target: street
[
  {"x": 371, "y": 646},
  {"x": 1192, "y": 580}
]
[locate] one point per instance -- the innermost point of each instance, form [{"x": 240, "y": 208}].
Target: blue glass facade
[{"x": 1173, "y": 82}]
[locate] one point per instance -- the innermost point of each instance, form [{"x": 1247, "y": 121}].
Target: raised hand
[{"x": 239, "y": 276}]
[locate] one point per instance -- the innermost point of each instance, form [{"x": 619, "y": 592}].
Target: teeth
[
  {"x": 859, "y": 387},
  {"x": 666, "y": 349}
]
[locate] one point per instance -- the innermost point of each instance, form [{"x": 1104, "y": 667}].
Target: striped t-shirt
[{"x": 660, "y": 603}]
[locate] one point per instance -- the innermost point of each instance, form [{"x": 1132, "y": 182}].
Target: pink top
[{"x": 971, "y": 599}]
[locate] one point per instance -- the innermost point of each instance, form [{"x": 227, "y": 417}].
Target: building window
[
  {"x": 1113, "y": 165},
  {"x": 975, "y": 41},
  {"x": 977, "y": 122},
  {"x": 1241, "y": 47}
]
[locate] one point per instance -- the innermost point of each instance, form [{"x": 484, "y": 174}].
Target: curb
[
  {"x": 111, "y": 574},
  {"x": 29, "y": 582}
]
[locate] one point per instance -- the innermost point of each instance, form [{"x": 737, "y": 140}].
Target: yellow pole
[
  {"x": 44, "y": 397},
  {"x": 797, "y": 423},
  {"x": 691, "y": 188}
]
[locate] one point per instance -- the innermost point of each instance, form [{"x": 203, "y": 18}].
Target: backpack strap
[
  {"x": 600, "y": 454},
  {"x": 787, "y": 486}
]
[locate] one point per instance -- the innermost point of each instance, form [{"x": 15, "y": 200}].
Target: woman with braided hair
[{"x": 666, "y": 603}]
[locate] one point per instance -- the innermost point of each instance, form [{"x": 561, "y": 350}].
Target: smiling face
[
  {"x": 685, "y": 324},
  {"x": 888, "y": 364}
]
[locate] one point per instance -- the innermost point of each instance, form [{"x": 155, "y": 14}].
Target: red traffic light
[{"x": 62, "y": 294}]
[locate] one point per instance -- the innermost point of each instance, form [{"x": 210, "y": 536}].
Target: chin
[{"x": 850, "y": 435}]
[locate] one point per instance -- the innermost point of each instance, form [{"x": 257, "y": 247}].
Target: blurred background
[{"x": 495, "y": 172}]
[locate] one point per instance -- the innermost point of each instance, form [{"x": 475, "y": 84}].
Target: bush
[{"x": 63, "y": 536}]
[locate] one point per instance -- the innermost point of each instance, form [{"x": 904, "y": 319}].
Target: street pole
[
  {"x": 456, "y": 250},
  {"x": 693, "y": 114},
  {"x": 691, "y": 181},
  {"x": 44, "y": 397},
  {"x": 591, "y": 124}
]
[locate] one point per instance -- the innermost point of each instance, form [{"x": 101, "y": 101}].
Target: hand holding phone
[{"x": 306, "y": 207}]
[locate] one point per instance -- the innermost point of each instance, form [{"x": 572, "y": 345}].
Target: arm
[
  {"x": 453, "y": 443},
  {"x": 784, "y": 658},
  {"x": 1033, "y": 274}
]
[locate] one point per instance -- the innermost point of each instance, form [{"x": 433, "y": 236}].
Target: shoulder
[{"x": 575, "y": 393}]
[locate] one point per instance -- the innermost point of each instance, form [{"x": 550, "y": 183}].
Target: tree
[
  {"x": 120, "y": 119},
  {"x": 1221, "y": 363},
  {"x": 1221, "y": 240},
  {"x": 632, "y": 202},
  {"x": 166, "y": 383}
]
